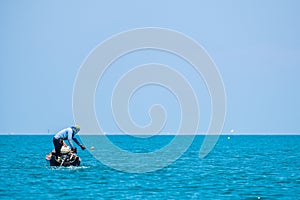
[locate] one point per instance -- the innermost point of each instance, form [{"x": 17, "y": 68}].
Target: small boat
[{"x": 67, "y": 158}]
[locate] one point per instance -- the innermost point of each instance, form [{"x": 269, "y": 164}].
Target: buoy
[
  {"x": 228, "y": 138},
  {"x": 92, "y": 148}
]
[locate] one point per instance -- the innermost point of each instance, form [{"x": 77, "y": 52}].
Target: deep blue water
[{"x": 244, "y": 167}]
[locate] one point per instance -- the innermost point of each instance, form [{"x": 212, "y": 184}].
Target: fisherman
[{"x": 66, "y": 134}]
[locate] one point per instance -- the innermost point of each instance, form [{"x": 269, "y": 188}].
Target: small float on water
[{"x": 67, "y": 158}]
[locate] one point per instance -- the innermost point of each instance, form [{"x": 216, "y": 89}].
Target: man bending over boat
[{"x": 66, "y": 134}]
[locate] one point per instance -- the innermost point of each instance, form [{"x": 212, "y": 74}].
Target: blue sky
[{"x": 255, "y": 45}]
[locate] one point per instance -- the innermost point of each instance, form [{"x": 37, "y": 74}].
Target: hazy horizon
[{"x": 120, "y": 133}]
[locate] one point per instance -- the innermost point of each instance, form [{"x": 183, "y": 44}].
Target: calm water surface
[{"x": 244, "y": 167}]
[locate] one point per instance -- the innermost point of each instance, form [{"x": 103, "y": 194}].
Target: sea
[{"x": 238, "y": 167}]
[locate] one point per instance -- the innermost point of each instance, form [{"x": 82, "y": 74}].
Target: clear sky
[{"x": 255, "y": 45}]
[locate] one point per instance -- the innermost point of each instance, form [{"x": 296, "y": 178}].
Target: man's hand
[
  {"x": 74, "y": 150},
  {"x": 82, "y": 147}
]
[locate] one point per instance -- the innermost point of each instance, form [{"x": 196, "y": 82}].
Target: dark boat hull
[{"x": 65, "y": 160}]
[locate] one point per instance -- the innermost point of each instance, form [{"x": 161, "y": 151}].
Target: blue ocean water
[{"x": 242, "y": 167}]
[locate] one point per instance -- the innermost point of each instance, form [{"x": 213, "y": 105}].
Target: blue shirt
[{"x": 65, "y": 134}]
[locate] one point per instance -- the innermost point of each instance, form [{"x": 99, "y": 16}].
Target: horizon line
[{"x": 166, "y": 133}]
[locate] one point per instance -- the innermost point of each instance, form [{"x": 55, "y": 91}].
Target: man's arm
[
  {"x": 70, "y": 137},
  {"x": 78, "y": 143}
]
